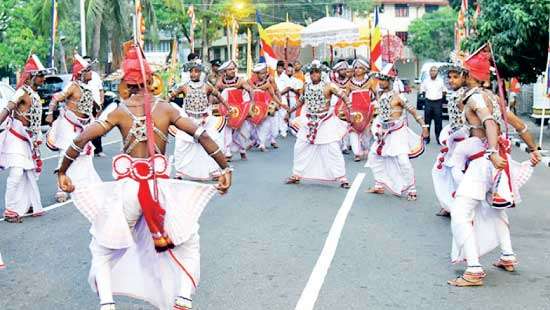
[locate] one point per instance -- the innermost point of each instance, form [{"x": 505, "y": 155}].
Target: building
[{"x": 395, "y": 17}]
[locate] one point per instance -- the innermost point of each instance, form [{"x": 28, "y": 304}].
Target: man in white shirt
[
  {"x": 434, "y": 90},
  {"x": 398, "y": 85},
  {"x": 290, "y": 88}
]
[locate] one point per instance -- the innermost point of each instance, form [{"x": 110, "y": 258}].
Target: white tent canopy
[{"x": 329, "y": 30}]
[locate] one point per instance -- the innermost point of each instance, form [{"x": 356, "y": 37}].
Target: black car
[{"x": 52, "y": 84}]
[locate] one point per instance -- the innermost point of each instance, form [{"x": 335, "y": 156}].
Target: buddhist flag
[
  {"x": 376, "y": 45},
  {"x": 267, "y": 54}
]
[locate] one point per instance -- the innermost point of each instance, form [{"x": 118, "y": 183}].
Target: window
[
  {"x": 401, "y": 10},
  {"x": 430, "y": 8},
  {"x": 403, "y": 35}
]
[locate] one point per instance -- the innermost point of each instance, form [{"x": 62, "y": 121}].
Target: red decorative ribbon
[
  {"x": 142, "y": 172},
  {"x": 35, "y": 154}
]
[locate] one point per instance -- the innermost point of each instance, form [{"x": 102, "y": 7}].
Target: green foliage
[
  {"x": 518, "y": 32},
  {"x": 432, "y": 36},
  {"x": 455, "y": 4},
  {"x": 19, "y": 37}
]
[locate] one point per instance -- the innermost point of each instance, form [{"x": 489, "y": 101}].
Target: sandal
[
  {"x": 292, "y": 180},
  {"x": 508, "y": 265},
  {"x": 275, "y": 145},
  {"x": 107, "y": 306},
  {"x": 61, "y": 197},
  {"x": 443, "y": 213},
  {"x": 411, "y": 196},
  {"x": 243, "y": 156},
  {"x": 13, "y": 217},
  {"x": 345, "y": 185},
  {"x": 182, "y": 303},
  {"x": 357, "y": 158},
  {"x": 468, "y": 279}
]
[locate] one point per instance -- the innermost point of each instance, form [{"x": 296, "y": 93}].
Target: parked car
[
  {"x": 52, "y": 84},
  {"x": 424, "y": 74}
]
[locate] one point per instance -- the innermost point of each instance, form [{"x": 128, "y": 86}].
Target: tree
[
  {"x": 19, "y": 38},
  {"x": 518, "y": 32},
  {"x": 432, "y": 36},
  {"x": 455, "y": 4}
]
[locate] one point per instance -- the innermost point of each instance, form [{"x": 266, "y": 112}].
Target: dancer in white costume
[
  {"x": 77, "y": 114},
  {"x": 190, "y": 159},
  {"x": 361, "y": 81},
  {"x": 19, "y": 144},
  {"x": 339, "y": 77},
  {"x": 451, "y": 136},
  {"x": 145, "y": 241},
  {"x": 234, "y": 139},
  {"x": 492, "y": 179},
  {"x": 317, "y": 153},
  {"x": 395, "y": 143},
  {"x": 268, "y": 130}
]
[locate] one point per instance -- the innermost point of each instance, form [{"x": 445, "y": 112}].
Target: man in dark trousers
[{"x": 434, "y": 91}]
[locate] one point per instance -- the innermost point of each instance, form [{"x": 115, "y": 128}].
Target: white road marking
[
  {"x": 104, "y": 144},
  {"x": 317, "y": 278},
  {"x": 48, "y": 208}
]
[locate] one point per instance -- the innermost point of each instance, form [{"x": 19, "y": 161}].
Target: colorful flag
[
  {"x": 267, "y": 55},
  {"x": 376, "y": 45},
  {"x": 191, "y": 14}
]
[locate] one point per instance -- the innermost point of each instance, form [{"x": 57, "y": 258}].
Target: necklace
[{"x": 359, "y": 83}]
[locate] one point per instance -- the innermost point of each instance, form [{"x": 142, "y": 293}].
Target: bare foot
[
  {"x": 357, "y": 158},
  {"x": 411, "y": 196},
  {"x": 292, "y": 180},
  {"x": 375, "y": 190}
]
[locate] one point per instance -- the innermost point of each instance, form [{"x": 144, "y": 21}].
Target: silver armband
[
  {"x": 198, "y": 133},
  {"x": 215, "y": 152},
  {"x": 486, "y": 118},
  {"x": 524, "y": 130},
  {"x": 490, "y": 152},
  {"x": 101, "y": 123},
  {"x": 69, "y": 157},
  {"x": 76, "y": 147}
]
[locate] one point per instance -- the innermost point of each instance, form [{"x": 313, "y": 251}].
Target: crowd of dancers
[{"x": 145, "y": 240}]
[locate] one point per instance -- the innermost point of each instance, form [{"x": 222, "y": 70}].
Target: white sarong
[{"x": 321, "y": 160}]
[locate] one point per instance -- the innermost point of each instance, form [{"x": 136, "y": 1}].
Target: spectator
[
  {"x": 398, "y": 85},
  {"x": 434, "y": 91},
  {"x": 298, "y": 73}
]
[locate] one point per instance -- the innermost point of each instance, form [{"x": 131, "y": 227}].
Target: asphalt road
[{"x": 261, "y": 242}]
